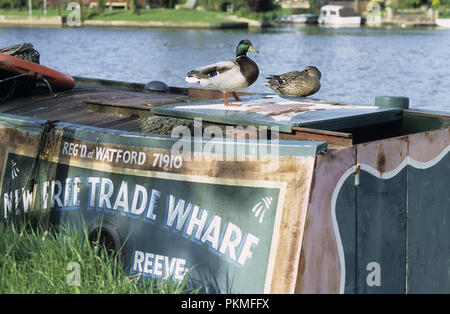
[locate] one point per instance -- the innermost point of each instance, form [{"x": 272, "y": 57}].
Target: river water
[{"x": 357, "y": 64}]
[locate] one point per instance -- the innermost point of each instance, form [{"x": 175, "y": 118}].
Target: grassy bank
[
  {"x": 36, "y": 12},
  {"x": 155, "y": 15},
  {"x": 445, "y": 12},
  {"x": 36, "y": 261},
  {"x": 162, "y": 15}
]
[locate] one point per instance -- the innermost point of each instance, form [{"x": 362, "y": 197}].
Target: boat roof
[
  {"x": 120, "y": 105},
  {"x": 113, "y": 105},
  {"x": 285, "y": 113},
  {"x": 331, "y": 7},
  {"x": 92, "y": 102}
]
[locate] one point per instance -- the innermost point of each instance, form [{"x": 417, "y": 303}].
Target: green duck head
[{"x": 244, "y": 46}]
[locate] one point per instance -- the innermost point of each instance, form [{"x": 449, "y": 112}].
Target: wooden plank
[
  {"x": 122, "y": 105},
  {"x": 331, "y": 137}
]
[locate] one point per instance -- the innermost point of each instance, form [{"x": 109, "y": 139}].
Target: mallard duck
[
  {"x": 296, "y": 83},
  {"x": 228, "y": 76}
]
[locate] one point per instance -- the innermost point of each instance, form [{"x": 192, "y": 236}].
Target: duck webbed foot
[{"x": 225, "y": 97}]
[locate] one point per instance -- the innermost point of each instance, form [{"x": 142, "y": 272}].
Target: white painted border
[
  {"x": 387, "y": 175},
  {"x": 335, "y": 225}
]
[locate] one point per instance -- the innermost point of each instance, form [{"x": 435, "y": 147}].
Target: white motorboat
[
  {"x": 305, "y": 18},
  {"x": 339, "y": 16},
  {"x": 443, "y": 22}
]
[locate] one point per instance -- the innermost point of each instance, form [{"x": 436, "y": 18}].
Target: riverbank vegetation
[
  {"x": 39, "y": 260},
  {"x": 443, "y": 6},
  {"x": 161, "y": 15},
  {"x": 205, "y": 11}
]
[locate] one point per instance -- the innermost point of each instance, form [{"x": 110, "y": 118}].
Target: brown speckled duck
[
  {"x": 228, "y": 76},
  {"x": 296, "y": 83}
]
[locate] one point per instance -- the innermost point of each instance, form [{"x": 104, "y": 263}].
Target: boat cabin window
[
  {"x": 332, "y": 12},
  {"x": 347, "y": 12},
  {"x": 324, "y": 13}
]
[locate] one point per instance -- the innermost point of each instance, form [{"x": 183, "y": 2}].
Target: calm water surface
[{"x": 356, "y": 64}]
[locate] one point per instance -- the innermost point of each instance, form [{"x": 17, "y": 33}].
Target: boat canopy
[
  {"x": 347, "y": 12},
  {"x": 343, "y": 10}
]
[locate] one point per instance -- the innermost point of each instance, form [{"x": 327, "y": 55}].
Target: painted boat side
[{"x": 228, "y": 220}]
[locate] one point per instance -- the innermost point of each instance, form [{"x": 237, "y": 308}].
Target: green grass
[
  {"x": 36, "y": 261},
  {"x": 156, "y": 15},
  {"x": 36, "y": 12},
  {"x": 163, "y": 15},
  {"x": 263, "y": 16},
  {"x": 445, "y": 12}
]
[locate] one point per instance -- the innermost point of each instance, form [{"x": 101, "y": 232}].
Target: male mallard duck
[
  {"x": 296, "y": 83},
  {"x": 228, "y": 76}
]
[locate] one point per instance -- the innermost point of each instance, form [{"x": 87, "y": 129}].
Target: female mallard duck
[
  {"x": 228, "y": 76},
  {"x": 296, "y": 83}
]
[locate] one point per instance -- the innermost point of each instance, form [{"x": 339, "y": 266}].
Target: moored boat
[
  {"x": 241, "y": 199},
  {"x": 443, "y": 22},
  {"x": 338, "y": 16},
  {"x": 305, "y": 18}
]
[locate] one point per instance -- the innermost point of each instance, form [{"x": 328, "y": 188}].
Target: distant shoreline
[
  {"x": 234, "y": 23},
  {"x": 10, "y": 20},
  {"x": 59, "y": 21}
]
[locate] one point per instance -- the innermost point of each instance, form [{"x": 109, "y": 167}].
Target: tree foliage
[
  {"x": 136, "y": 7},
  {"x": 17, "y": 4},
  {"x": 260, "y": 5},
  {"x": 101, "y": 6}
]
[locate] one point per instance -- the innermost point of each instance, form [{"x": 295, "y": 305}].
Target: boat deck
[
  {"x": 121, "y": 106},
  {"x": 105, "y": 105}
]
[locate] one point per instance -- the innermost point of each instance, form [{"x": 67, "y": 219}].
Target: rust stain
[
  {"x": 431, "y": 136},
  {"x": 381, "y": 160},
  {"x": 302, "y": 261},
  {"x": 445, "y": 124},
  {"x": 287, "y": 111},
  {"x": 292, "y": 254},
  {"x": 291, "y": 229}
]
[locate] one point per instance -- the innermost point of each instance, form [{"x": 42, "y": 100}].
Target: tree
[
  {"x": 260, "y": 5},
  {"x": 100, "y": 7},
  {"x": 171, "y": 4},
  {"x": 413, "y": 3},
  {"x": 314, "y": 6},
  {"x": 136, "y": 8}
]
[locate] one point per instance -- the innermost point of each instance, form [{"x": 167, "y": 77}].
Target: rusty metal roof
[
  {"x": 284, "y": 112},
  {"x": 110, "y": 105},
  {"x": 119, "y": 105}
]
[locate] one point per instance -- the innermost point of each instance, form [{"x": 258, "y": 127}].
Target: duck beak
[{"x": 253, "y": 49}]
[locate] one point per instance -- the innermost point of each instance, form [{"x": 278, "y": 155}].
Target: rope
[
  {"x": 13, "y": 77},
  {"x": 10, "y": 92},
  {"x": 16, "y": 49},
  {"x": 17, "y": 85},
  {"x": 33, "y": 174}
]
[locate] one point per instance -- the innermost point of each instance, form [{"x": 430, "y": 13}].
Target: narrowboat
[{"x": 276, "y": 195}]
